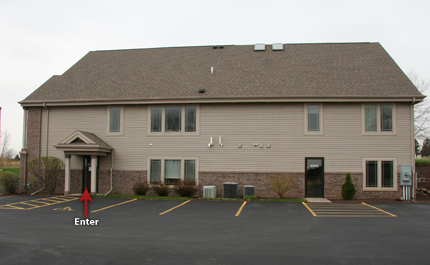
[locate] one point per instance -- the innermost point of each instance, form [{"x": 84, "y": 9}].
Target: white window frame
[
  {"x": 321, "y": 120},
  {"x": 121, "y": 122},
  {"x": 379, "y": 177},
  {"x": 378, "y": 119},
  {"x": 163, "y": 120},
  {"x": 163, "y": 159}
]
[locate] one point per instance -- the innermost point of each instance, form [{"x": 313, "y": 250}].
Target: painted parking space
[
  {"x": 346, "y": 210},
  {"x": 37, "y": 203}
]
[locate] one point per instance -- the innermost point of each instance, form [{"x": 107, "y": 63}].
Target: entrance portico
[{"x": 88, "y": 145}]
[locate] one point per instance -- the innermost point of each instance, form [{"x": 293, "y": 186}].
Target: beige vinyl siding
[{"x": 278, "y": 124}]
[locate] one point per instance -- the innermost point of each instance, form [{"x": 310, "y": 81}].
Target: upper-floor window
[
  {"x": 314, "y": 119},
  {"x": 115, "y": 120},
  {"x": 378, "y": 118},
  {"x": 173, "y": 119}
]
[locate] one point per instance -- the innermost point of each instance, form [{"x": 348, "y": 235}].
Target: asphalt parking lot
[{"x": 130, "y": 231}]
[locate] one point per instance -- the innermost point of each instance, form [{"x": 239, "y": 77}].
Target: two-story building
[{"x": 236, "y": 113}]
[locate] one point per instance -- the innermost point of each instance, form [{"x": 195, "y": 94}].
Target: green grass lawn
[{"x": 11, "y": 169}]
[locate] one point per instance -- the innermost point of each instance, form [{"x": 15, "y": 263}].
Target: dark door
[
  {"x": 86, "y": 173},
  {"x": 314, "y": 177}
]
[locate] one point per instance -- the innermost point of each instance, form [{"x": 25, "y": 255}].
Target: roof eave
[{"x": 81, "y": 102}]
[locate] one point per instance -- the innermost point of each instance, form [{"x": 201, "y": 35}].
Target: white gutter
[{"x": 111, "y": 172}]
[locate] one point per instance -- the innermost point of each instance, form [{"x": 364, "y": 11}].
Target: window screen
[
  {"x": 387, "y": 174},
  {"x": 190, "y": 170},
  {"x": 115, "y": 114},
  {"x": 371, "y": 174},
  {"x": 370, "y": 118},
  {"x": 156, "y": 119},
  {"x": 386, "y": 118},
  {"x": 190, "y": 119},
  {"x": 313, "y": 118},
  {"x": 155, "y": 174},
  {"x": 173, "y": 119}
]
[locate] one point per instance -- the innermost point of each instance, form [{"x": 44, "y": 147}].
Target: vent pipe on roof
[{"x": 260, "y": 47}]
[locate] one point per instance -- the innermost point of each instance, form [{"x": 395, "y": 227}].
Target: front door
[{"x": 314, "y": 177}]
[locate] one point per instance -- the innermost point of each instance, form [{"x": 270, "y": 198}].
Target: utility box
[{"x": 406, "y": 175}]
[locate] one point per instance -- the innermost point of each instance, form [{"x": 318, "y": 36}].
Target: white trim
[
  {"x": 378, "y": 120},
  {"x": 379, "y": 179},
  {"x": 121, "y": 121},
  {"x": 163, "y": 159},
  {"x": 321, "y": 120},
  {"x": 163, "y": 121}
]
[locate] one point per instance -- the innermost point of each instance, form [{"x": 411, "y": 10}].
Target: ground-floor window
[
  {"x": 379, "y": 174},
  {"x": 172, "y": 170}
]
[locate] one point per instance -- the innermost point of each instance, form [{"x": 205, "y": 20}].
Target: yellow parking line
[
  {"x": 240, "y": 209},
  {"x": 1, "y": 197},
  {"x": 379, "y": 209},
  {"x": 31, "y": 204},
  {"x": 113, "y": 205},
  {"x": 175, "y": 207},
  {"x": 310, "y": 210}
]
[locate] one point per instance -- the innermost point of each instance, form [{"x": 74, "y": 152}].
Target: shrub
[
  {"x": 281, "y": 184},
  {"x": 422, "y": 162},
  {"x": 250, "y": 198},
  {"x": 348, "y": 189},
  {"x": 161, "y": 189},
  {"x": 140, "y": 188},
  {"x": 186, "y": 188},
  {"x": 46, "y": 171},
  {"x": 9, "y": 181}
]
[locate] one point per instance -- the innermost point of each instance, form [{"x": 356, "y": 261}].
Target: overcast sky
[{"x": 44, "y": 38}]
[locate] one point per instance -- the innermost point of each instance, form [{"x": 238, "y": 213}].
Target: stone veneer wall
[
  {"x": 34, "y": 123},
  {"x": 423, "y": 176},
  {"x": 333, "y": 187}
]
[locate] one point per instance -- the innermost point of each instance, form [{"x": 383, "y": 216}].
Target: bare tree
[
  {"x": 6, "y": 152},
  {"x": 422, "y": 110}
]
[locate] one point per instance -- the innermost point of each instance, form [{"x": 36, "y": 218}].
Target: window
[
  {"x": 313, "y": 119},
  {"x": 115, "y": 120},
  {"x": 172, "y": 170},
  {"x": 379, "y": 174},
  {"x": 173, "y": 120},
  {"x": 379, "y": 118}
]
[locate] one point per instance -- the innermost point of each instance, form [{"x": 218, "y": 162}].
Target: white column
[
  {"x": 67, "y": 176},
  {"x": 93, "y": 175}
]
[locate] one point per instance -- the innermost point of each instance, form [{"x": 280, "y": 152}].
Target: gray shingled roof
[{"x": 300, "y": 70}]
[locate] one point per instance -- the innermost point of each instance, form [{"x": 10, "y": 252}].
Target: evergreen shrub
[{"x": 348, "y": 188}]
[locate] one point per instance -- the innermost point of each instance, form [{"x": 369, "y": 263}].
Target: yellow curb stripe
[
  {"x": 310, "y": 210},
  {"x": 240, "y": 209},
  {"x": 175, "y": 207},
  {"x": 379, "y": 209},
  {"x": 113, "y": 205}
]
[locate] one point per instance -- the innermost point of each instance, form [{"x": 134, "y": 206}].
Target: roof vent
[
  {"x": 260, "y": 47},
  {"x": 202, "y": 90},
  {"x": 277, "y": 47},
  {"x": 215, "y": 47}
]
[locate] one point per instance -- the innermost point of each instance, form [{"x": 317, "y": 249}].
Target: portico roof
[{"x": 84, "y": 143}]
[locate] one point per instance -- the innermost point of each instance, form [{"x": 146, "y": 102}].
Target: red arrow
[{"x": 86, "y": 196}]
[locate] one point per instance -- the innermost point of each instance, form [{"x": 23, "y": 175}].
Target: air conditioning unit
[
  {"x": 230, "y": 190},
  {"x": 248, "y": 190},
  {"x": 209, "y": 191}
]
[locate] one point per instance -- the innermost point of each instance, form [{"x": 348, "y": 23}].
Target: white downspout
[
  {"x": 111, "y": 172},
  {"x": 414, "y": 179}
]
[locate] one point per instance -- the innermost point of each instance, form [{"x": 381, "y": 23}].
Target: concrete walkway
[{"x": 317, "y": 200}]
